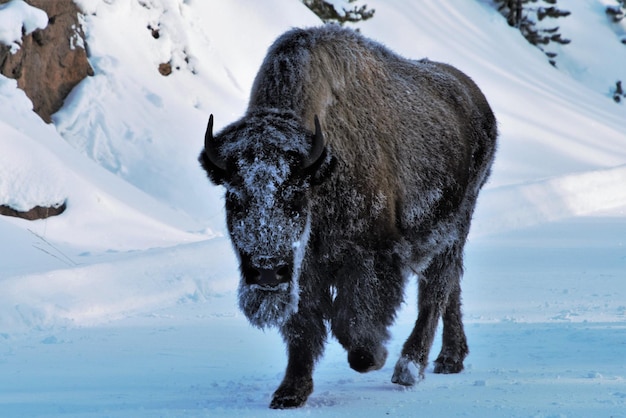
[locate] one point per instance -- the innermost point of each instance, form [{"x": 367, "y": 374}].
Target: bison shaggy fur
[{"x": 352, "y": 170}]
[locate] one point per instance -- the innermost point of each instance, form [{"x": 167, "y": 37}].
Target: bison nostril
[
  {"x": 283, "y": 273},
  {"x": 252, "y": 275},
  {"x": 267, "y": 277}
]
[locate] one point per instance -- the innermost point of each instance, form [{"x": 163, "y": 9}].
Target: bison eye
[{"x": 296, "y": 204}]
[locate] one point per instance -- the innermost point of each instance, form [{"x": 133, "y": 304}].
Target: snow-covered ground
[{"x": 125, "y": 306}]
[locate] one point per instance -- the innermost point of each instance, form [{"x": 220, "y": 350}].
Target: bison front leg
[
  {"x": 364, "y": 308},
  {"x": 439, "y": 293},
  {"x": 305, "y": 335}
]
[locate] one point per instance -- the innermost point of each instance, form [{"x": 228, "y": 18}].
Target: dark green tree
[
  {"x": 617, "y": 12},
  {"x": 529, "y": 15},
  {"x": 327, "y": 12},
  {"x": 618, "y": 92}
]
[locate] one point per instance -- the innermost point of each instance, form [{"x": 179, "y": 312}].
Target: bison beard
[
  {"x": 266, "y": 307},
  {"x": 352, "y": 170},
  {"x": 272, "y": 306}
]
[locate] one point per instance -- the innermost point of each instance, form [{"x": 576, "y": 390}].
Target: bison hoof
[
  {"x": 363, "y": 360},
  {"x": 448, "y": 365},
  {"x": 287, "y": 402},
  {"x": 291, "y": 394},
  {"x": 405, "y": 371}
]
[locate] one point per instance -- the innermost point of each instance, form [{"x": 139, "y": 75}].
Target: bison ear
[
  {"x": 210, "y": 160},
  {"x": 324, "y": 169}
]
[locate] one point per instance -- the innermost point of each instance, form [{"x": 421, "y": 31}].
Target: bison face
[
  {"x": 268, "y": 165},
  {"x": 269, "y": 226}
]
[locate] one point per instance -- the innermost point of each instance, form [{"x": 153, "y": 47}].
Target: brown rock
[
  {"x": 50, "y": 62},
  {"x": 165, "y": 68},
  {"x": 38, "y": 212}
]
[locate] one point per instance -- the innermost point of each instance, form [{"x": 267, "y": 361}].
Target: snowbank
[
  {"x": 18, "y": 18},
  {"x": 37, "y": 167},
  {"x": 92, "y": 290},
  {"x": 30, "y": 175},
  {"x": 517, "y": 207}
]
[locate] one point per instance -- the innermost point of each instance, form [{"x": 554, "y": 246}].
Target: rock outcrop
[
  {"x": 51, "y": 61},
  {"x": 38, "y": 212}
]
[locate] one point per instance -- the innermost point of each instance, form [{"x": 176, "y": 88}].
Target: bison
[{"x": 352, "y": 169}]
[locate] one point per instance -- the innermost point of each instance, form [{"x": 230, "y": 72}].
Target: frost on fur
[
  {"x": 352, "y": 169},
  {"x": 267, "y": 307},
  {"x": 272, "y": 307}
]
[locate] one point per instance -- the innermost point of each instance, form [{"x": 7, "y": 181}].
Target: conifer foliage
[
  {"x": 617, "y": 12},
  {"x": 618, "y": 92},
  {"x": 327, "y": 11},
  {"x": 529, "y": 15}
]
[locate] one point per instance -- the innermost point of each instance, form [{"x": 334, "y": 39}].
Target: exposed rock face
[
  {"x": 48, "y": 65},
  {"x": 50, "y": 62},
  {"x": 38, "y": 212}
]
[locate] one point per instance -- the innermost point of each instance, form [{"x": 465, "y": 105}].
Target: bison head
[{"x": 268, "y": 163}]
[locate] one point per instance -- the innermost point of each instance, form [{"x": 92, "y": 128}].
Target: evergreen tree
[
  {"x": 618, "y": 92},
  {"x": 617, "y": 12},
  {"x": 526, "y": 16},
  {"x": 327, "y": 12}
]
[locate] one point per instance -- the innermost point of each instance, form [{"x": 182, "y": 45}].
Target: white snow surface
[
  {"x": 17, "y": 17},
  {"x": 125, "y": 305}
]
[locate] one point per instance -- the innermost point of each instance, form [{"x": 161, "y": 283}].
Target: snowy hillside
[{"x": 125, "y": 305}]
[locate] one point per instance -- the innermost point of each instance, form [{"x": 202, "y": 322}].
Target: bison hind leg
[
  {"x": 454, "y": 347},
  {"x": 439, "y": 295},
  {"x": 448, "y": 364}
]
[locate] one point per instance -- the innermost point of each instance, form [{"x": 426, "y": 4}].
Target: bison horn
[
  {"x": 209, "y": 147},
  {"x": 317, "y": 149}
]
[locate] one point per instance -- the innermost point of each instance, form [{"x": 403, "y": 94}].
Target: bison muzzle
[{"x": 352, "y": 170}]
